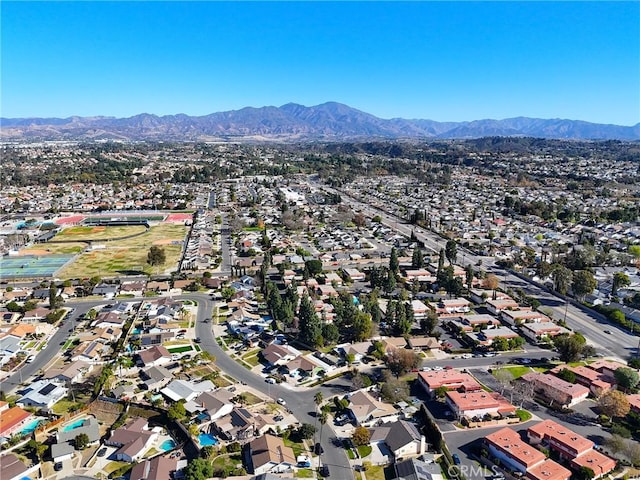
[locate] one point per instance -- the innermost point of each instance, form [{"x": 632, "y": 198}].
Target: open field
[
  {"x": 129, "y": 255},
  {"x": 62, "y": 248},
  {"x": 98, "y": 232}
]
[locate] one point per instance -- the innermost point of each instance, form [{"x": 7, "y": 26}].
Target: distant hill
[{"x": 293, "y": 122}]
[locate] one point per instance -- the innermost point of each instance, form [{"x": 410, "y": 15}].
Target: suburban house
[
  {"x": 12, "y": 468},
  {"x": 420, "y": 344},
  {"x": 420, "y": 310},
  {"x": 415, "y": 469},
  {"x": 487, "y": 337},
  {"x": 358, "y": 350},
  {"x": 354, "y": 274},
  {"x": 480, "y": 296},
  {"x": 156, "y": 377},
  {"x": 402, "y": 438},
  {"x": 89, "y": 352},
  {"x": 133, "y": 440},
  {"x": 478, "y": 404},
  {"x": 450, "y": 379},
  {"x": 186, "y": 390},
  {"x": 64, "y": 447},
  {"x": 135, "y": 288},
  {"x": 453, "y": 305},
  {"x": 555, "y": 389},
  {"x": 158, "y": 468},
  {"x": 12, "y": 420},
  {"x": 269, "y": 454},
  {"x": 367, "y": 411},
  {"x": 36, "y": 315},
  {"x": 154, "y": 356},
  {"x": 276, "y": 354},
  {"x": 72, "y": 372},
  {"x": 105, "y": 290},
  {"x": 239, "y": 424},
  {"x": 42, "y": 394},
  {"x": 215, "y": 404}
]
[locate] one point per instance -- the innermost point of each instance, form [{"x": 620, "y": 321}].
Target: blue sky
[{"x": 446, "y": 61}]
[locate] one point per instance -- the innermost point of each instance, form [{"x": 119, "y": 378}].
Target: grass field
[
  {"x": 517, "y": 372},
  {"x": 129, "y": 255},
  {"x": 99, "y": 233},
  {"x": 64, "y": 248}
]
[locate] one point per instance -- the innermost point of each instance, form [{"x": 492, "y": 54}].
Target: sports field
[
  {"x": 28, "y": 266},
  {"x": 81, "y": 233},
  {"x": 55, "y": 249},
  {"x": 129, "y": 255}
]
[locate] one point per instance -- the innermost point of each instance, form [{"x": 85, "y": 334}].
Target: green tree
[
  {"x": 451, "y": 251},
  {"x": 468, "y": 276},
  {"x": 198, "y": 469},
  {"x": 176, "y": 411},
  {"x": 620, "y": 280},
  {"x": 81, "y": 441},
  {"x": 394, "y": 264},
  {"x": 429, "y": 322},
  {"x": 309, "y": 328},
  {"x": 567, "y": 375},
  {"x": 156, "y": 256},
  {"x": 627, "y": 378},
  {"x": 562, "y": 278},
  {"x": 417, "y": 260},
  {"x": 314, "y": 267},
  {"x": 500, "y": 344},
  {"x": 583, "y": 283},
  {"x": 362, "y": 326},
  {"x": 37, "y": 448},
  {"x": 330, "y": 333},
  {"x": 306, "y": 431},
  {"x": 208, "y": 451},
  {"x": 569, "y": 347}
]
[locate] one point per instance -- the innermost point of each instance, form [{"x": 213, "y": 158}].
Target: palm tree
[
  {"x": 323, "y": 420},
  {"x": 317, "y": 399}
]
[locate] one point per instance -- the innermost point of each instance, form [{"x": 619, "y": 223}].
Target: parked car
[
  {"x": 281, "y": 402},
  {"x": 102, "y": 451},
  {"x": 324, "y": 471},
  {"x": 58, "y": 466},
  {"x": 270, "y": 380},
  {"x": 456, "y": 459},
  {"x": 197, "y": 340}
]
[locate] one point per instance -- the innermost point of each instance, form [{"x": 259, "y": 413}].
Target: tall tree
[
  {"x": 451, "y": 251},
  {"x": 570, "y": 347},
  {"x": 308, "y": 323},
  {"x": 614, "y": 404},
  {"x": 583, "y": 283},
  {"x": 468, "y": 275},
  {"x": 394, "y": 264},
  {"x": 562, "y": 278},
  {"x": 620, "y": 280},
  {"x": 440, "y": 271},
  {"x": 417, "y": 260}
]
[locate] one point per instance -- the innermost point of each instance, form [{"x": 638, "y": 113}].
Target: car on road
[
  {"x": 102, "y": 452},
  {"x": 324, "y": 471},
  {"x": 30, "y": 358},
  {"x": 608, "y": 332},
  {"x": 281, "y": 402},
  {"x": 270, "y": 380},
  {"x": 197, "y": 340},
  {"x": 206, "y": 320},
  {"x": 456, "y": 459}
]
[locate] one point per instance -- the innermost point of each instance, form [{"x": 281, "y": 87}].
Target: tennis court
[{"x": 31, "y": 266}]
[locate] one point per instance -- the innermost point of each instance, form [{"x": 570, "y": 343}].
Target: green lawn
[
  {"x": 252, "y": 360},
  {"x": 374, "y": 472},
  {"x": 517, "y": 372},
  {"x": 186, "y": 348},
  {"x": 113, "y": 466},
  {"x": 304, "y": 473},
  {"x": 64, "y": 406},
  {"x": 523, "y": 415},
  {"x": 364, "y": 450},
  {"x": 228, "y": 463},
  {"x": 298, "y": 447}
]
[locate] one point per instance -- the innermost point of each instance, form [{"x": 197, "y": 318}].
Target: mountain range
[{"x": 329, "y": 121}]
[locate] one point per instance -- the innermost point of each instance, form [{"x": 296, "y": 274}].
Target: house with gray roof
[
  {"x": 156, "y": 377},
  {"x": 415, "y": 469},
  {"x": 42, "y": 394},
  {"x": 90, "y": 427},
  {"x": 402, "y": 438}
]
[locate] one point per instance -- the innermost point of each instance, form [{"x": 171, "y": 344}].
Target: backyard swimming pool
[
  {"x": 207, "y": 439},
  {"x": 30, "y": 427},
  {"x": 167, "y": 445},
  {"x": 74, "y": 425}
]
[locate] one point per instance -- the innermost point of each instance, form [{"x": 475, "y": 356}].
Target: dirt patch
[
  {"x": 34, "y": 252},
  {"x": 165, "y": 241}
]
